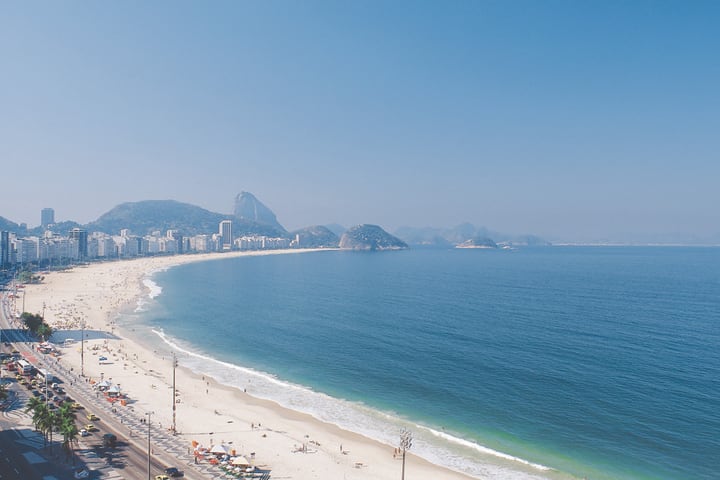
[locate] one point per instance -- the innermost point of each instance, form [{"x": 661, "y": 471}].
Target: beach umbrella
[
  {"x": 240, "y": 461},
  {"x": 114, "y": 389},
  {"x": 219, "y": 449},
  {"x": 103, "y": 384}
]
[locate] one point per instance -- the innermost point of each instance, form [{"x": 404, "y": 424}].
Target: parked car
[
  {"x": 173, "y": 472},
  {"x": 109, "y": 440},
  {"x": 92, "y": 417},
  {"x": 84, "y": 433}
]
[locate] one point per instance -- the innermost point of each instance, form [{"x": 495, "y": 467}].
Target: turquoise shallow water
[{"x": 601, "y": 362}]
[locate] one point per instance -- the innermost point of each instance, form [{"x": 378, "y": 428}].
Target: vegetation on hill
[
  {"x": 142, "y": 218},
  {"x": 316, "y": 236},
  {"x": 370, "y": 237}
]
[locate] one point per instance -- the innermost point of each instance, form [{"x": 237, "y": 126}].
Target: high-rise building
[
  {"x": 226, "y": 234},
  {"x": 4, "y": 249},
  {"x": 81, "y": 237},
  {"x": 47, "y": 217}
]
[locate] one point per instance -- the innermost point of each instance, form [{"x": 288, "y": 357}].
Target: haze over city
[{"x": 573, "y": 121}]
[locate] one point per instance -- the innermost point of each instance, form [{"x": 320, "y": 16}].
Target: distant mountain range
[
  {"x": 465, "y": 234},
  {"x": 251, "y": 217}
]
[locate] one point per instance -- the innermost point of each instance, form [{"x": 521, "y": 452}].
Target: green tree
[
  {"x": 34, "y": 404},
  {"x": 44, "y": 330},
  {"x": 69, "y": 431},
  {"x": 32, "y": 321}
]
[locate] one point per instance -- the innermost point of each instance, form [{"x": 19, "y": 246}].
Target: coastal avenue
[{"x": 128, "y": 461}]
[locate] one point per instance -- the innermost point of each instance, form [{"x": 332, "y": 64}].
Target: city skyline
[{"x": 570, "y": 121}]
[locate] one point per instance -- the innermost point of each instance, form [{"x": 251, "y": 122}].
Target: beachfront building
[
  {"x": 79, "y": 237},
  {"x": 26, "y": 250},
  {"x": 4, "y": 249},
  {"x": 260, "y": 242},
  {"x": 225, "y": 232},
  {"x": 106, "y": 247}
]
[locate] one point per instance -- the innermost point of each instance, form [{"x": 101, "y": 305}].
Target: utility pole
[
  {"x": 405, "y": 444},
  {"x": 148, "y": 424},
  {"x": 82, "y": 348},
  {"x": 174, "y": 400}
]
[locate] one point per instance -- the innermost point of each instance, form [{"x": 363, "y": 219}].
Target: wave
[
  {"x": 435, "y": 446},
  {"x": 154, "y": 290}
]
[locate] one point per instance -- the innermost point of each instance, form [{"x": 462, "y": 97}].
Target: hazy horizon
[{"x": 572, "y": 121}]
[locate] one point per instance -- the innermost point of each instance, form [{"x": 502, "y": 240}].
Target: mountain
[
  {"x": 248, "y": 209},
  {"x": 141, "y": 218},
  {"x": 316, "y": 236},
  {"x": 61, "y": 228},
  {"x": 370, "y": 237},
  {"x": 478, "y": 242},
  {"x": 9, "y": 226},
  {"x": 458, "y": 235}
]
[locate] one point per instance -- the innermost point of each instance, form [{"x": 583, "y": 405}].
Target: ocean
[{"x": 554, "y": 362}]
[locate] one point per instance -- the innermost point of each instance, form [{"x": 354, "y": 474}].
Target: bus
[
  {"x": 43, "y": 375},
  {"x": 24, "y": 367}
]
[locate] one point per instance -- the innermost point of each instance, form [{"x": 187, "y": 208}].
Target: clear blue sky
[{"x": 572, "y": 120}]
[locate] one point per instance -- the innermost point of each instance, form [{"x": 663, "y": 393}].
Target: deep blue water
[{"x": 595, "y": 361}]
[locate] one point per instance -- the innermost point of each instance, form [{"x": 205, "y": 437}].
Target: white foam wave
[
  {"x": 480, "y": 448},
  {"x": 437, "y": 447},
  {"x": 154, "y": 290}
]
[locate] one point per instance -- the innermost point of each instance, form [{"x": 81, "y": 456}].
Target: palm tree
[
  {"x": 38, "y": 408},
  {"x": 70, "y": 432},
  {"x": 42, "y": 418}
]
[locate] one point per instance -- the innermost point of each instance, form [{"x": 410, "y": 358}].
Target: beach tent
[
  {"x": 114, "y": 389},
  {"x": 219, "y": 449},
  {"x": 103, "y": 384},
  {"x": 240, "y": 461}
]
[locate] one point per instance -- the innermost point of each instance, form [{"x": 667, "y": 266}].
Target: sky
[{"x": 566, "y": 119}]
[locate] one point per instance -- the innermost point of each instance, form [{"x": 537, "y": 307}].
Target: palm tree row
[{"x": 47, "y": 420}]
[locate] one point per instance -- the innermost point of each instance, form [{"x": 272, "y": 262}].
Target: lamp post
[
  {"x": 148, "y": 424},
  {"x": 405, "y": 444},
  {"x": 82, "y": 348},
  {"x": 174, "y": 405}
]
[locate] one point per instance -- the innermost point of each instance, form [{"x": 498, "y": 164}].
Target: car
[
  {"x": 81, "y": 473},
  {"x": 76, "y": 406},
  {"x": 59, "y": 391},
  {"x": 90, "y": 427},
  {"x": 162, "y": 477},
  {"x": 92, "y": 416},
  {"x": 102, "y": 359},
  {"x": 173, "y": 472},
  {"x": 84, "y": 433},
  {"x": 109, "y": 440}
]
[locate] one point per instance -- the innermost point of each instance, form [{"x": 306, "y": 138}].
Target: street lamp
[
  {"x": 82, "y": 348},
  {"x": 405, "y": 444},
  {"x": 148, "y": 424}
]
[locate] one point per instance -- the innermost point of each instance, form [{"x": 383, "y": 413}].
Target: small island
[{"x": 370, "y": 238}]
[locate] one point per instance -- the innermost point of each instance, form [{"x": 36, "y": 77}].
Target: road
[{"x": 129, "y": 460}]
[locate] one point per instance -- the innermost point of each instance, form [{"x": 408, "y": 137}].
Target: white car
[{"x": 84, "y": 433}]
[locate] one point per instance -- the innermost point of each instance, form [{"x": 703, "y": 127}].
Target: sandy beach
[{"x": 290, "y": 443}]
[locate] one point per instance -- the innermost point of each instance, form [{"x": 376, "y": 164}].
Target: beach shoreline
[{"x": 290, "y": 443}]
